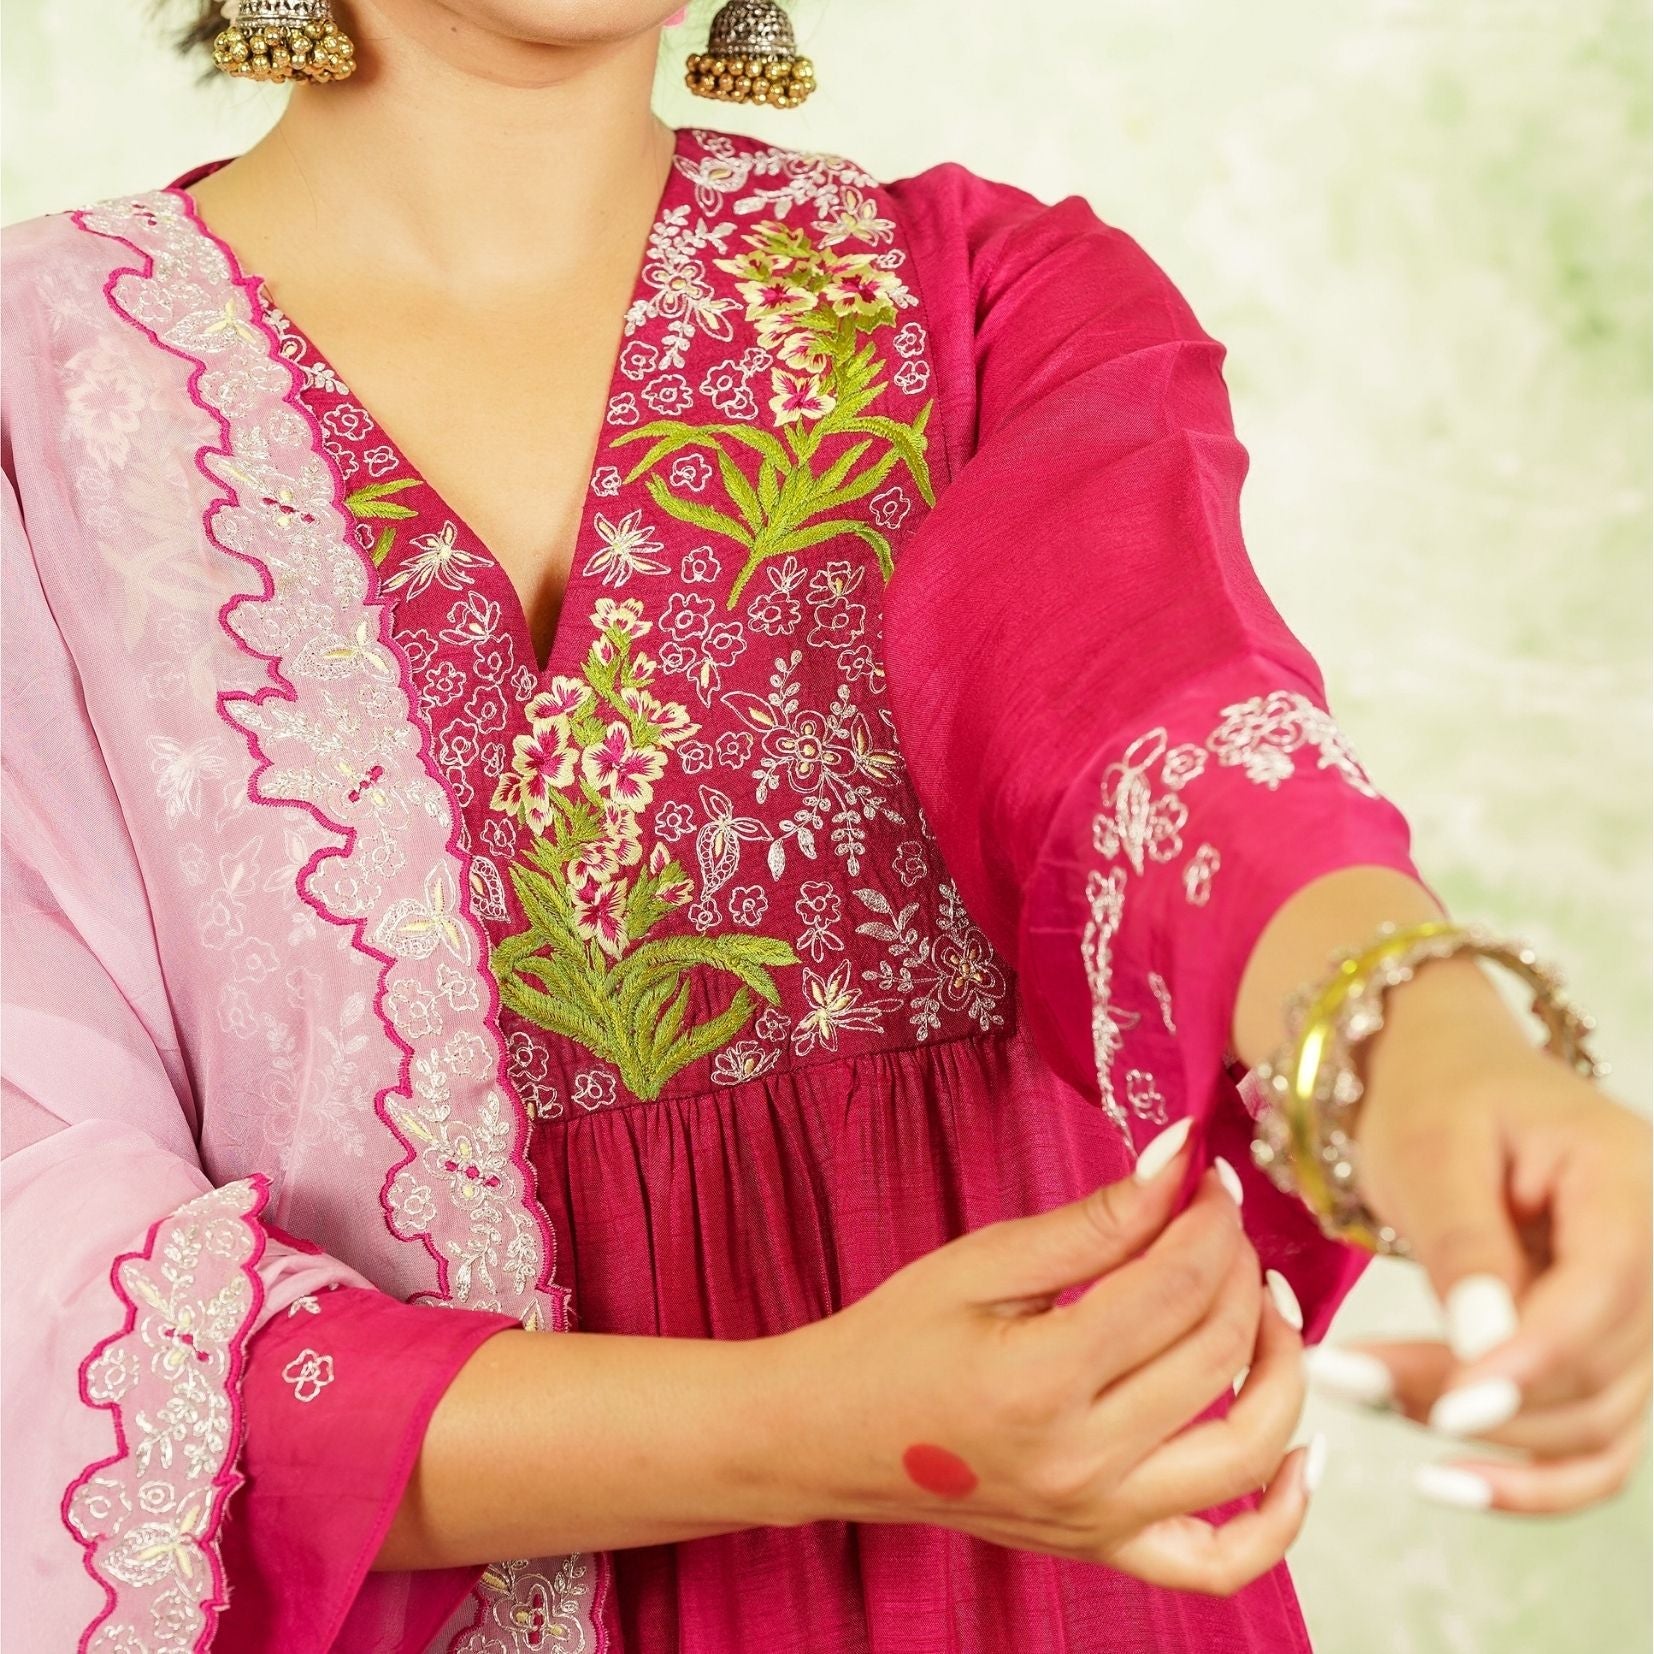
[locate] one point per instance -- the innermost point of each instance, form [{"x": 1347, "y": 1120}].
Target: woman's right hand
[{"x": 960, "y": 1393}]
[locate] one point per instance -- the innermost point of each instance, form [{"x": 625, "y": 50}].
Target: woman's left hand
[{"x": 1524, "y": 1191}]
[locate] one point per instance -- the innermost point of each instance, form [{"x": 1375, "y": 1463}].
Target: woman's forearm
[{"x": 549, "y": 1444}]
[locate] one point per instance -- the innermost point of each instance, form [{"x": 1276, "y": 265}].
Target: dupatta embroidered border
[
  {"x": 171, "y": 1378},
  {"x": 334, "y": 733}
]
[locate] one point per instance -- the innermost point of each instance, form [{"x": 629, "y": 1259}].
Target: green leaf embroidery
[
  {"x": 819, "y": 313},
  {"x": 373, "y": 499},
  {"x": 585, "y": 964}
]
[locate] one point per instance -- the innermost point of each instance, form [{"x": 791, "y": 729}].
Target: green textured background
[{"x": 1422, "y": 228}]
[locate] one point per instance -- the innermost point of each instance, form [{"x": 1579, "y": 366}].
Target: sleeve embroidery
[
  {"x": 1144, "y": 821},
  {"x": 309, "y": 1373}
]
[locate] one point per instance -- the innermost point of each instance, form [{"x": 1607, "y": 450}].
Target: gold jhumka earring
[
  {"x": 751, "y": 57},
  {"x": 283, "y": 40}
]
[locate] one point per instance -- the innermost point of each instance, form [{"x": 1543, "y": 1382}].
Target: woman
[{"x": 625, "y": 732}]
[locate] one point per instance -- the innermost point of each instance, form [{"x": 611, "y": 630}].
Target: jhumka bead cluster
[
  {"x": 282, "y": 40},
  {"x": 751, "y": 57}
]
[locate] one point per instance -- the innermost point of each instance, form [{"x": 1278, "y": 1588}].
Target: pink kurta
[{"x": 875, "y": 856}]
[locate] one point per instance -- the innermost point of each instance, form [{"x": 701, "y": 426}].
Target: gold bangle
[{"x": 1305, "y": 1135}]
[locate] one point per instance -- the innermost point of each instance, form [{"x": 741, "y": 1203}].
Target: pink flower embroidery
[
  {"x": 798, "y": 396},
  {"x": 542, "y": 763},
  {"x": 600, "y": 914},
  {"x": 666, "y": 720},
  {"x": 621, "y": 771},
  {"x": 859, "y": 287},
  {"x": 561, "y": 700}
]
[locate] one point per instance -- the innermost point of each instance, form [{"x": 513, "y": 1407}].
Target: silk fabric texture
[{"x": 876, "y": 855}]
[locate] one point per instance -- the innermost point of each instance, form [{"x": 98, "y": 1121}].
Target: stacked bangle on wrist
[{"x": 1311, "y": 1090}]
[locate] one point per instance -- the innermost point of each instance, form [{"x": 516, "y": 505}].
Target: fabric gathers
[{"x": 874, "y": 855}]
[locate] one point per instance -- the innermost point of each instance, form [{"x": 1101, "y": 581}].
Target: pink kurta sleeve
[
  {"x": 1125, "y": 753},
  {"x": 338, "y": 1392}
]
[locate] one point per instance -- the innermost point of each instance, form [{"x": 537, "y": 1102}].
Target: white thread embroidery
[{"x": 309, "y": 1373}]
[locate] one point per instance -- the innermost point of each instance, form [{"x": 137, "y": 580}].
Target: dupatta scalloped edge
[{"x": 171, "y": 1376}]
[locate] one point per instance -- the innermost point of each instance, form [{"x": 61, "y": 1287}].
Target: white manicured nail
[
  {"x": 1350, "y": 1375},
  {"x": 1473, "y": 1408},
  {"x": 1286, "y": 1300},
  {"x": 1159, "y": 1152},
  {"x": 1229, "y": 1178},
  {"x": 1315, "y": 1461},
  {"x": 1448, "y": 1485},
  {"x": 1239, "y": 1379},
  {"x": 1481, "y": 1315}
]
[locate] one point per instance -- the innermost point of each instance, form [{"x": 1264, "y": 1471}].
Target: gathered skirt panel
[{"x": 747, "y": 1211}]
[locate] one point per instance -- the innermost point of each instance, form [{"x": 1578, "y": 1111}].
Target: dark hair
[{"x": 205, "y": 25}]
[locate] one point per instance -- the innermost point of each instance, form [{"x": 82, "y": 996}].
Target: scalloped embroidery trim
[{"x": 149, "y": 1517}]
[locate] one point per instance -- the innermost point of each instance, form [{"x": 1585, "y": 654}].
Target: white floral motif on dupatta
[{"x": 149, "y": 1516}]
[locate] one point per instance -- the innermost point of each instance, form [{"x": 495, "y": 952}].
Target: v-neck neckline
[{"x": 510, "y": 597}]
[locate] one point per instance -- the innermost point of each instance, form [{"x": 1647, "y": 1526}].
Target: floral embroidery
[
  {"x": 1135, "y": 823},
  {"x": 696, "y": 644},
  {"x": 836, "y": 1007},
  {"x": 1144, "y": 1096},
  {"x": 179, "y": 772},
  {"x": 439, "y": 558},
  {"x": 1105, "y": 897},
  {"x": 829, "y": 757},
  {"x": 781, "y": 803},
  {"x": 594, "y": 1089},
  {"x": 678, "y": 288},
  {"x": 149, "y": 1517},
  {"x": 812, "y": 306},
  {"x": 586, "y": 966},
  {"x": 742, "y": 1062},
  {"x": 309, "y": 1374},
  {"x": 629, "y": 547},
  {"x": 1139, "y": 827},
  {"x": 534, "y": 1611},
  {"x": 1264, "y": 733},
  {"x": 952, "y": 971}
]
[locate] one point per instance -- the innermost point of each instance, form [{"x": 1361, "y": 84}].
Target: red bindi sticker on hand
[{"x": 938, "y": 1471}]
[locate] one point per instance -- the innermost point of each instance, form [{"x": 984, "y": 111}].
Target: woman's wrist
[
  {"x": 1445, "y": 1027},
  {"x": 816, "y": 1464},
  {"x": 548, "y": 1443}
]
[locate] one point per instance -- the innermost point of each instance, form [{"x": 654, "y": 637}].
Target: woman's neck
[{"x": 462, "y": 160}]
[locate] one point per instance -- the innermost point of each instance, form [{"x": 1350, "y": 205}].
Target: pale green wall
[{"x": 1422, "y": 228}]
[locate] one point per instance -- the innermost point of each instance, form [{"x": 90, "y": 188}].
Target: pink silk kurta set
[{"x": 875, "y": 856}]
